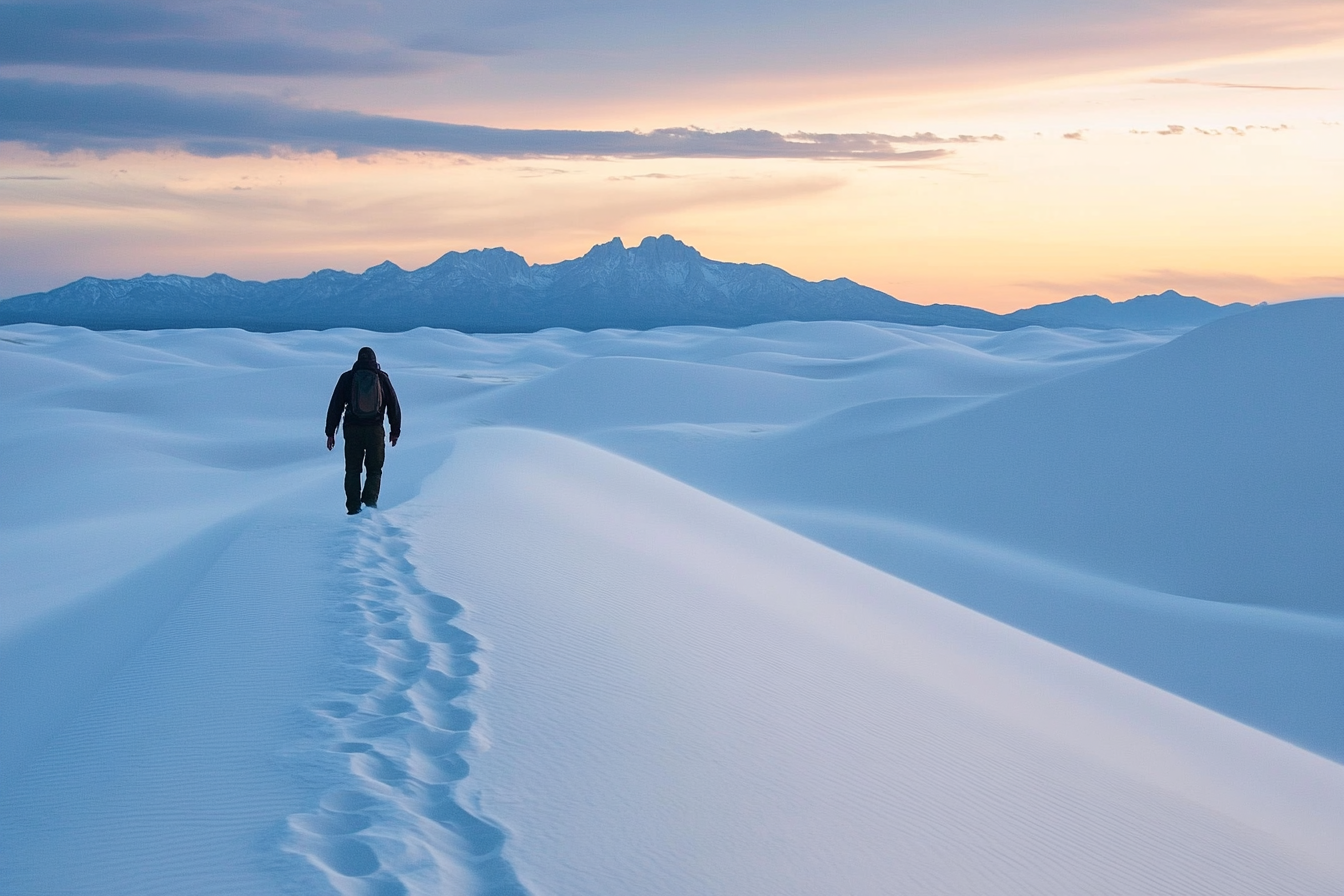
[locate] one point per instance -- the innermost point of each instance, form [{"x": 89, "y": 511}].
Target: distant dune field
[{"x": 787, "y": 609}]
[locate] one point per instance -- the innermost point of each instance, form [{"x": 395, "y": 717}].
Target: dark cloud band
[
  {"x": 60, "y": 117},
  {"x": 140, "y": 36}
]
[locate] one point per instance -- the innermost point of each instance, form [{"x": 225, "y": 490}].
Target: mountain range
[{"x": 660, "y": 282}]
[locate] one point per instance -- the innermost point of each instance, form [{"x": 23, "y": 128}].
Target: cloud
[
  {"x": 465, "y": 42},
  {"x": 130, "y": 36},
  {"x": 1177, "y": 129},
  {"x": 656, "y": 175},
  {"x": 1231, "y": 84},
  {"x": 926, "y": 137},
  {"x": 59, "y": 117}
]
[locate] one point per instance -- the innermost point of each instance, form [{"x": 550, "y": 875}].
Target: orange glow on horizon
[{"x": 1221, "y": 178}]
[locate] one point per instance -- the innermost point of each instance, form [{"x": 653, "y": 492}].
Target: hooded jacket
[{"x": 341, "y": 397}]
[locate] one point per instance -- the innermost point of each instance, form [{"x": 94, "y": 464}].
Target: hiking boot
[{"x": 349, "y": 512}]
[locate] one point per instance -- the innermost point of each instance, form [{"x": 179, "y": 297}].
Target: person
[{"x": 363, "y": 394}]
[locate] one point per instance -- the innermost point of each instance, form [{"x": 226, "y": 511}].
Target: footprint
[
  {"x": 396, "y": 826},
  {"x": 346, "y": 856},
  {"x": 330, "y": 824}
]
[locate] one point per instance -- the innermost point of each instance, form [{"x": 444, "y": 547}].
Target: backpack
[{"x": 366, "y": 398}]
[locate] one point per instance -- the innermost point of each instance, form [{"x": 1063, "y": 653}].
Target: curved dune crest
[{"x": 680, "y": 697}]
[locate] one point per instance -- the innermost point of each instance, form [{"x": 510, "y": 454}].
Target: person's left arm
[{"x": 393, "y": 408}]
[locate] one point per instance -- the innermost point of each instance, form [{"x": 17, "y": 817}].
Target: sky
[{"x": 968, "y": 151}]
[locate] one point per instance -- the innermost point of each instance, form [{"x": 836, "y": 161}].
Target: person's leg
[
  {"x": 375, "y": 450},
  {"x": 354, "y": 459}
]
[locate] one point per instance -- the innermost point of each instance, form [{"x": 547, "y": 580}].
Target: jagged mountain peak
[
  {"x": 662, "y": 281},
  {"x": 665, "y": 247},
  {"x": 651, "y": 249},
  {"x": 612, "y": 248},
  {"x": 492, "y": 253}
]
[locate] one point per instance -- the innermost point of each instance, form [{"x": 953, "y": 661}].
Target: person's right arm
[{"x": 336, "y": 407}]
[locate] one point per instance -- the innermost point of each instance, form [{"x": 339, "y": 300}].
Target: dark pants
[{"x": 364, "y": 447}]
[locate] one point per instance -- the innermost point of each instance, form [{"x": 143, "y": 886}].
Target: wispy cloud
[
  {"x": 1230, "y": 84},
  {"x": 59, "y": 117},
  {"x": 656, "y": 175},
  {"x": 1171, "y": 130},
  {"x": 926, "y": 137},
  {"x": 1175, "y": 130},
  {"x": 465, "y": 42}
]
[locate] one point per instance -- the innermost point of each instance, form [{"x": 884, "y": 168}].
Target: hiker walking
[{"x": 363, "y": 393}]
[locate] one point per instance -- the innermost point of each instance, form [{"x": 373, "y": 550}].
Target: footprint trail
[{"x": 399, "y": 825}]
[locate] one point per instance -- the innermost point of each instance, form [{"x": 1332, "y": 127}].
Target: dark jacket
[{"x": 341, "y": 397}]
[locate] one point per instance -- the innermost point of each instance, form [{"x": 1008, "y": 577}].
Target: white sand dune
[
  {"x": 680, "y": 697},
  {"x": 545, "y": 668},
  {"x": 1178, "y": 514}
]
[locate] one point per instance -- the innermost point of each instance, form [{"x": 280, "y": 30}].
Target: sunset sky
[{"x": 977, "y": 152}]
